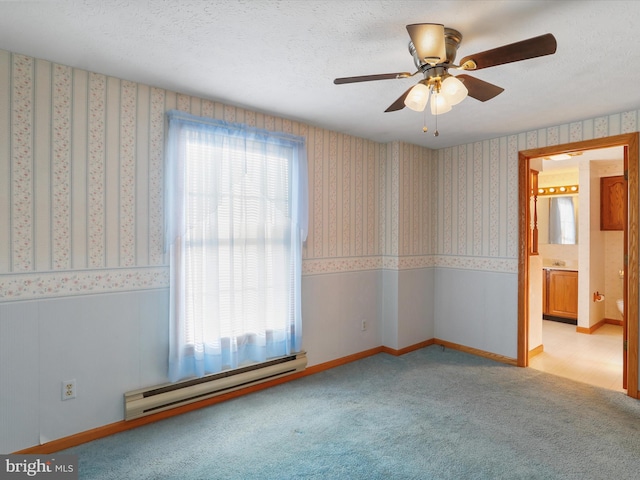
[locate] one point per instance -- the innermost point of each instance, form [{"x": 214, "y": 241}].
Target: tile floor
[{"x": 595, "y": 359}]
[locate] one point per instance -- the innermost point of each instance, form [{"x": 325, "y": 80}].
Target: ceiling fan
[{"x": 433, "y": 48}]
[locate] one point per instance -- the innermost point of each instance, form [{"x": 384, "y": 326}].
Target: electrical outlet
[
  {"x": 69, "y": 389},
  {"x": 363, "y": 326}
]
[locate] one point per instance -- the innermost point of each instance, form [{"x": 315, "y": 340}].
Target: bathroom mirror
[{"x": 558, "y": 219}]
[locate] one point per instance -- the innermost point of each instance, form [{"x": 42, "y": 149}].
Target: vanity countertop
[{"x": 559, "y": 267}]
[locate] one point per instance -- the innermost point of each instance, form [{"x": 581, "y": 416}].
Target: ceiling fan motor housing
[{"x": 452, "y": 39}]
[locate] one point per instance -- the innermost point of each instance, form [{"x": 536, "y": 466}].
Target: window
[{"x": 236, "y": 218}]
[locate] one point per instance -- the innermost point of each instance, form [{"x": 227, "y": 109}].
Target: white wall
[
  {"x": 333, "y": 308},
  {"x": 535, "y": 301},
  {"x": 407, "y": 307},
  {"x": 613, "y": 264},
  {"x": 416, "y": 319},
  {"x": 108, "y": 343},
  {"x": 594, "y": 254},
  {"x": 477, "y": 309}
]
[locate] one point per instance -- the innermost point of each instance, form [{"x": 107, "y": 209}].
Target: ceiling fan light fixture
[
  {"x": 439, "y": 104},
  {"x": 560, "y": 156},
  {"x": 429, "y": 42},
  {"x": 434, "y": 49},
  {"x": 453, "y": 90},
  {"x": 417, "y": 98}
]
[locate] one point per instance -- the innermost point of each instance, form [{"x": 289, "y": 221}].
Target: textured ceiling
[{"x": 281, "y": 57}]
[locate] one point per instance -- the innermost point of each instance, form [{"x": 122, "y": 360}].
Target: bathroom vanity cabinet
[{"x": 560, "y": 295}]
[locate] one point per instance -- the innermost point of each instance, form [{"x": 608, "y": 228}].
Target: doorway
[
  {"x": 571, "y": 335},
  {"x": 630, "y": 327}
]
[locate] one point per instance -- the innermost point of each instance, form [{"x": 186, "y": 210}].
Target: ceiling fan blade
[
  {"x": 368, "y": 78},
  {"x": 399, "y": 103},
  {"x": 479, "y": 89},
  {"x": 514, "y": 52},
  {"x": 428, "y": 40}
]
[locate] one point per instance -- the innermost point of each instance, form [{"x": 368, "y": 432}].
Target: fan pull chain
[
  {"x": 424, "y": 121},
  {"x": 433, "y": 99}
]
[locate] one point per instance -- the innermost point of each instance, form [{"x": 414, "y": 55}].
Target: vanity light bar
[{"x": 559, "y": 190}]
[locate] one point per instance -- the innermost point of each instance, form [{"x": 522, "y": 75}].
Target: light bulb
[
  {"x": 439, "y": 104},
  {"x": 454, "y": 90},
  {"x": 417, "y": 98},
  {"x": 560, "y": 156}
]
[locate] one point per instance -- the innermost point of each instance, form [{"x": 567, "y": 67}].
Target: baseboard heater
[{"x": 146, "y": 401}]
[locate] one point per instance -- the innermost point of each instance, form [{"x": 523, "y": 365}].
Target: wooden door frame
[{"x": 631, "y": 164}]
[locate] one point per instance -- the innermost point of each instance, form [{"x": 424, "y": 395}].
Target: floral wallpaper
[
  {"x": 81, "y": 187},
  {"x": 81, "y": 183}
]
